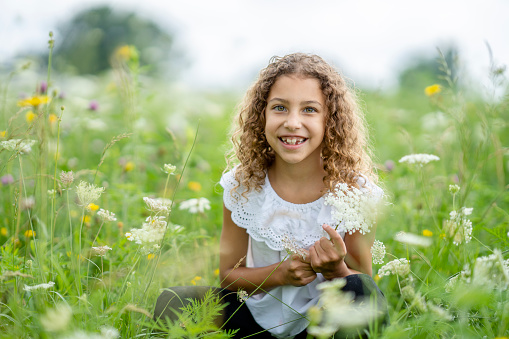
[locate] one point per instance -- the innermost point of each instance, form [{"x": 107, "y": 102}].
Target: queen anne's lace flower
[
  {"x": 39, "y": 287},
  {"x": 378, "y": 252},
  {"x": 56, "y": 319},
  {"x": 491, "y": 271},
  {"x": 458, "y": 227},
  {"x": 242, "y": 296},
  {"x": 106, "y": 215},
  {"x": 353, "y": 208},
  {"x": 88, "y": 193},
  {"x": 66, "y": 178},
  {"x": 419, "y": 159},
  {"x": 291, "y": 246},
  {"x": 100, "y": 250},
  {"x": 169, "y": 168},
  {"x": 195, "y": 205},
  {"x": 400, "y": 267},
  {"x": 412, "y": 239},
  {"x": 151, "y": 233},
  {"x": 23, "y": 146},
  {"x": 158, "y": 205}
]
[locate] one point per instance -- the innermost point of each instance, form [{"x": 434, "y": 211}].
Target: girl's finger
[{"x": 335, "y": 238}]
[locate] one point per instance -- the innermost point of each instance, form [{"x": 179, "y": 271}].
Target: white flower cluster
[
  {"x": 23, "y": 146},
  {"x": 66, "y": 178},
  {"x": 458, "y": 227},
  {"x": 354, "y": 209},
  {"x": 106, "y": 215},
  {"x": 242, "y": 295},
  {"x": 106, "y": 333},
  {"x": 412, "y": 239},
  {"x": 88, "y": 193},
  {"x": 195, "y": 205},
  {"x": 57, "y": 319},
  {"x": 400, "y": 267},
  {"x": 454, "y": 189},
  {"x": 169, "y": 169},
  {"x": 150, "y": 234},
  {"x": 39, "y": 287},
  {"x": 378, "y": 252},
  {"x": 291, "y": 246},
  {"x": 100, "y": 250},
  {"x": 492, "y": 271},
  {"x": 418, "y": 302},
  {"x": 419, "y": 159},
  {"x": 158, "y": 205}
]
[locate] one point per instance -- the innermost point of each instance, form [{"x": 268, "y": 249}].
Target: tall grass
[{"x": 141, "y": 124}]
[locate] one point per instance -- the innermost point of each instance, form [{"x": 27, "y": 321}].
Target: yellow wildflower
[
  {"x": 30, "y": 116},
  {"x": 86, "y": 219},
  {"x": 92, "y": 207},
  {"x": 151, "y": 256},
  {"x": 432, "y": 90},
  {"x": 194, "y": 186},
  {"x": 442, "y": 236},
  {"x": 377, "y": 278},
  {"x": 3, "y": 231},
  {"x": 123, "y": 52},
  {"x": 34, "y": 101},
  {"x": 53, "y": 118},
  {"x": 427, "y": 233},
  {"x": 29, "y": 234},
  {"x": 129, "y": 166},
  {"x": 216, "y": 272},
  {"x": 3, "y": 134},
  {"x": 195, "y": 280}
]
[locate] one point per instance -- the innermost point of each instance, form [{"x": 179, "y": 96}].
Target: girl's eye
[
  {"x": 309, "y": 110},
  {"x": 279, "y": 108}
]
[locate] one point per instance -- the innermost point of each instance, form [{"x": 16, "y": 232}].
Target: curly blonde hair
[{"x": 345, "y": 151}]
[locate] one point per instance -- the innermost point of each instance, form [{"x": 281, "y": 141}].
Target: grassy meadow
[{"x": 68, "y": 270}]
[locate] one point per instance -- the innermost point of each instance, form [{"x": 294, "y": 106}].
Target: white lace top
[{"x": 268, "y": 218}]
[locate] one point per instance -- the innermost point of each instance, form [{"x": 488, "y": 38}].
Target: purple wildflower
[
  {"x": 7, "y": 179},
  {"x": 93, "y": 105}
]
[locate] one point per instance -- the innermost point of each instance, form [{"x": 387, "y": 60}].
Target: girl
[{"x": 299, "y": 134}]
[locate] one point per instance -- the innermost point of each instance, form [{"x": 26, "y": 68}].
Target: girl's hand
[
  {"x": 296, "y": 271},
  {"x": 327, "y": 256}
]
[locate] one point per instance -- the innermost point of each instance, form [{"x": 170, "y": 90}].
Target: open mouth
[{"x": 292, "y": 140}]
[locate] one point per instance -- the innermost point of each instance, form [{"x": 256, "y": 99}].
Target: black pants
[{"x": 174, "y": 298}]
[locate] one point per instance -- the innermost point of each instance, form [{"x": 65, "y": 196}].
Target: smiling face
[{"x": 295, "y": 120}]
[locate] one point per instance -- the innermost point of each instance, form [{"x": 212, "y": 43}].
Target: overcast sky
[{"x": 228, "y": 41}]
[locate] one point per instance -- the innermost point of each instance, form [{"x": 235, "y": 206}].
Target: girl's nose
[{"x": 292, "y": 121}]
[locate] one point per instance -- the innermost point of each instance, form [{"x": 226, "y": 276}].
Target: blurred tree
[
  {"x": 423, "y": 72},
  {"x": 89, "y": 39}
]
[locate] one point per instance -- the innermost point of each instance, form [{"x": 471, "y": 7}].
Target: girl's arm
[
  {"x": 233, "y": 249},
  {"x": 336, "y": 258}
]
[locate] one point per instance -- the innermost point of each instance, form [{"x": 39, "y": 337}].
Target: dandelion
[
  {"x": 57, "y": 319},
  {"x": 458, "y": 227},
  {"x": 195, "y": 280},
  {"x": 195, "y": 205},
  {"x": 88, "y": 193},
  {"x": 419, "y": 159},
  {"x": 427, "y": 233},
  {"x": 242, "y": 295},
  {"x": 27, "y": 203},
  {"x": 169, "y": 169},
  {"x": 100, "y": 251},
  {"x": 30, "y": 116},
  {"x": 21, "y": 146},
  {"x": 194, "y": 186},
  {"x": 106, "y": 215},
  {"x": 432, "y": 90},
  {"x": 159, "y": 205},
  {"x": 92, "y": 207},
  {"x": 400, "y": 267},
  {"x": 378, "y": 252},
  {"x": 39, "y": 287},
  {"x": 7, "y": 179},
  {"x": 453, "y": 189},
  {"x": 34, "y": 101},
  {"x": 291, "y": 246},
  {"x": 129, "y": 166},
  {"x": 353, "y": 208},
  {"x": 3, "y": 134},
  {"x": 412, "y": 239},
  {"x": 66, "y": 178}
]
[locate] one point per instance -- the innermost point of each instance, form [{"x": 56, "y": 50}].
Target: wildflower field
[{"x": 109, "y": 193}]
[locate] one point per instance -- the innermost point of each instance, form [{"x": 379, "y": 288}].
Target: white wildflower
[
  {"x": 88, "y": 193},
  {"x": 419, "y": 159},
  {"x": 400, "y": 267},
  {"x": 22, "y": 146},
  {"x": 412, "y": 239},
  {"x": 150, "y": 234},
  {"x": 106, "y": 333},
  {"x": 458, "y": 227},
  {"x": 57, "y": 319},
  {"x": 242, "y": 295},
  {"x": 453, "y": 189},
  {"x": 169, "y": 169},
  {"x": 440, "y": 312},
  {"x": 195, "y": 205},
  {"x": 291, "y": 246},
  {"x": 106, "y": 215},
  {"x": 158, "y": 205},
  {"x": 353, "y": 208},
  {"x": 51, "y": 193},
  {"x": 378, "y": 252},
  {"x": 39, "y": 287},
  {"x": 100, "y": 250},
  {"x": 27, "y": 203},
  {"x": 66, "y": 178},
  {"x": 491, "y": 271}
]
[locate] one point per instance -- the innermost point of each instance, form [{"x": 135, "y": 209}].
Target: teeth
[{"x": 293, "y": 141}]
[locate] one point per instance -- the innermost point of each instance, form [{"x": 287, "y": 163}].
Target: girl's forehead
[{"x": 297, "y": 86}]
